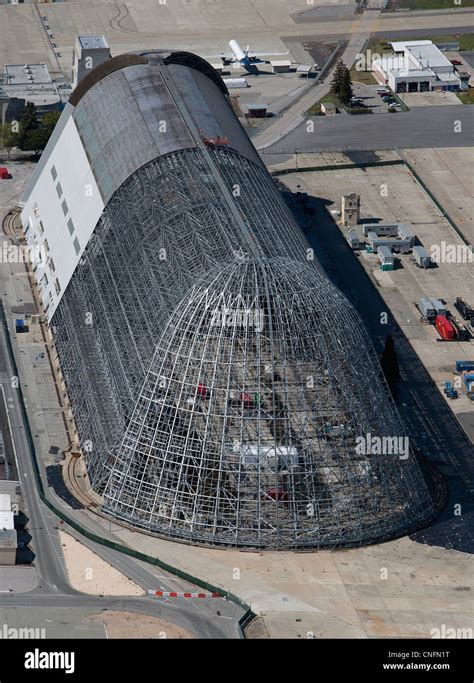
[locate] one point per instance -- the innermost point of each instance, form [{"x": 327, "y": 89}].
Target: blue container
[{"x": 464, "y": 365}]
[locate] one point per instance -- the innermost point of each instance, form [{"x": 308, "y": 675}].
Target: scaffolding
[
  {"x": 245, "y": 429},
  {"x": 218, "y": 380}
]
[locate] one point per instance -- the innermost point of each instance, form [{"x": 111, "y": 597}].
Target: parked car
[{"x": 456, "y": 62}]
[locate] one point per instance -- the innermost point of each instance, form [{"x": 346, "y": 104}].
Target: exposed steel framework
[{"x": 219, "y": 381}]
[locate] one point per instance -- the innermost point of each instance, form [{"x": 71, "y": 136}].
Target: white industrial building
[
  {"x": 416, "y": 66},
  {"x": 59, "y": 216},
  {"x": 31, "y": 83},
  {"x": 89, "y": 52},
  {"x": 8, "y": 538}
]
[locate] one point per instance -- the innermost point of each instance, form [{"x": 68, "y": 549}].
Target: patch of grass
[
  {"x": 315, "y": 110},
  {"x": 362, "y": 77},
  {"x": 426, "y": 4},
  {"x": 467, "y": 97}
]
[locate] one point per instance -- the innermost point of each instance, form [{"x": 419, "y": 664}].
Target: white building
[
  {"x": 89, "y": 52},
  {"x": 416, "y": 66},
  {"x": 30, "y": 82},
  {"x": 8, "y": 538}
]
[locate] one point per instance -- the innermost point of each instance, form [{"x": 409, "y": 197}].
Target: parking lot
[
  {"x": 402, "y": 200},
  {"x": 369, "y": 97}
]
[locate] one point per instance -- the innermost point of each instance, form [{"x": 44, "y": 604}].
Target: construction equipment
[
  {"x": 464, "y": 309},
  {"x": 449, "y": 390}
]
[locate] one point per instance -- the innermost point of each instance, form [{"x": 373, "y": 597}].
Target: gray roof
[
  {"x": 135, "y": 114},
  {"x": 90, "y": 42},
  {"x": 8, "y": 538}
]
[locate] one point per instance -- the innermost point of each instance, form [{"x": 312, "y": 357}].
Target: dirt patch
[
  {"x": 257, "y": 629},
  {"x": 89, "y": 573},
  {"x": 131, "y": 625}
]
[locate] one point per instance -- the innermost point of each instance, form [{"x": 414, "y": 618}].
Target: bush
[{"x": 359, "y": 110}]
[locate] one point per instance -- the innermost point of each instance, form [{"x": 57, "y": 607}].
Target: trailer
[
  {"x": 462, "y": 332},
  {"x": 439, "y": 307},
  {"x": 380, "y": 229},
  {"x": 386, "y": 258},
  {"x": 467, "y": 313},
  {"x": 353, "y": 239},
  {"x": 402, "y": 246},
  {"x": 426, "y": 308},
  {"x": 445, "y": 329},
  {"x": 462, "y": 365},
  {"x": 232, "y": 83},
  {"x": 406, "y": 233},
  {"x": 468, "y": 380},
  {"x": 421, "y": 256}
]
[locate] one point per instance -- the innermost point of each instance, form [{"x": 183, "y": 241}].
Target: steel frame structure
[{"x": 217, "y": 378}]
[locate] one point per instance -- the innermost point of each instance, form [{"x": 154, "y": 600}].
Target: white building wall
[{"x": 48, "y": 220}]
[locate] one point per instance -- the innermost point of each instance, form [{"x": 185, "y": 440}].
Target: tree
[
  {"x": 389, "y": 362},
  {"x": 36, "y": 140},
  {"x": 346, "y": 92},
  {"x": 336, "y": 82},
  {"x": 8, "y": 138},
  {"x": 28, "y": 123},
  {"x": 50, "y": 119},
  {"x": 341, "y": 84},
  {"x": 34, "y": 132}
]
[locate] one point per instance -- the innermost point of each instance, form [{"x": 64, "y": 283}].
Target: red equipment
[{"x": 445, "y": 329}]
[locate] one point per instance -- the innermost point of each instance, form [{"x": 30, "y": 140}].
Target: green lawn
[
  {"x": 316, "y": 108},
  {"x": 426, "y": 4},
  {"x": 467, "y": 97},
  {"x": 363, "y": 77}
]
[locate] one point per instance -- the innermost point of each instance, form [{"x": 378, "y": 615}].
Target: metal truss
[{"x": 218, "y": 380}]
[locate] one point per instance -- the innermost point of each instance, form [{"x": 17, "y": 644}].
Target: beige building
[
  {"x": 350, "y": 210},
  {"x": 8, "y": 539}
]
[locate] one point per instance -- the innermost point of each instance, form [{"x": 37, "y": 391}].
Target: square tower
[
  {"x": 89, "y": 52},
  {"x": 350, "y": 209}
]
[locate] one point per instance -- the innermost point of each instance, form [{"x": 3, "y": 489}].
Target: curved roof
[
  {"x": 137, "y": 107},
  {"x": 246, "y": 428}
]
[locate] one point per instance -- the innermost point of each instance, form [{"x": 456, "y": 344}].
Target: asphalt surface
[
  {"x": 430, "y": 423},
  {"x": 421, "y": 127},
  {"x": 199, "y": 616}
]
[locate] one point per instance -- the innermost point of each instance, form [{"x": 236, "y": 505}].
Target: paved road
[
  {"x": 199, "y": 617},
  {"x": 421, "y": 127},
  {"x": 361, "y": 29}
]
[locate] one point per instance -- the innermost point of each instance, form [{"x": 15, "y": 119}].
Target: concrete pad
[
  {"x": 21, "y": 579},
  {"x": 429, "y": 99}
]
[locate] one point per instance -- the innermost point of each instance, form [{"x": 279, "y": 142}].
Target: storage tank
[{"x": 445, "y": 328}]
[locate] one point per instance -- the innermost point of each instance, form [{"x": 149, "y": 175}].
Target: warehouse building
[
  {"x": 219, "y": 382},
  {"x": 8, "y": 537},
  {"x": 416, "y": 66}
]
